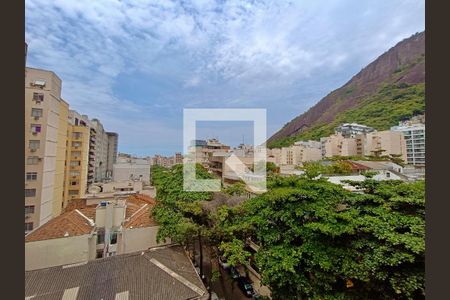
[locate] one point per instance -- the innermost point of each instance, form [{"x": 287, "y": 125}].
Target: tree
[
  {"x": 178, "y": 212},
  {"x": 319, "y": 241}
]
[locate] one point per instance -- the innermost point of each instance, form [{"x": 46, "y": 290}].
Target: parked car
[
  {"x": 245, "y": 286},
  {"x": 214, "y": 296},
  {"x": 223, "y": 262},
  {"x": 234, "y": 273}
]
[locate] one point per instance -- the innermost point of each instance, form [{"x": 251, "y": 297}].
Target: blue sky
[{"x": 136, "y": 64}]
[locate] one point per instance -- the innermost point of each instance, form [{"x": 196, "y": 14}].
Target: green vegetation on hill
[{"x": 391, "y": 104}]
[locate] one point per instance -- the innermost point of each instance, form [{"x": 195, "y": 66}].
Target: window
[
  {"x": 31, "y": 176},
  {"x": 28, "y": 226},
  {"x": 74, "y": 173},
  {"x": 36, "y": 112},
  {"x": 29, "y": 209},
  {"x": 39, "y": 82},
  {"x": 35, "y": 128},
  {"x": 100, "y": 237},
  {"x": 77, "y": 135},
  {"x": 30, "y": 192},
  {"x": 32, "y": 160},
  {"x": 38, "y": 97},
  {"x": 74, "y": 183},
  {"x": 99, "y": 254},
  {"x": 73, "y": 193},
  {"x": 114, "y": 238},
  {"x": 75, "y": 163},
  {"x": 76, "y": 144},
  {"x": 34, "y": 144}
]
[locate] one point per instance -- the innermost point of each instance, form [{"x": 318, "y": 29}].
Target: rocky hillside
[{"x": 389, "y": 89}]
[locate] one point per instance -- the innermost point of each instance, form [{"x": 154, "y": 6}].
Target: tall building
[
  {"x": 101, "y": 151},
  {"x": 77, "y": 157},
  {"x": 113, "y": 140},
  {"x": 45, "y": 146},
  {"x": 178, "y": 158},
  {"x": 414, "y": 135}
]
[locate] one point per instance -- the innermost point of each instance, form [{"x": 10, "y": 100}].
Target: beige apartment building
[
  {"x": 274, "y": 156},
  {"x": 45, "y": 146},
  {"x": 385, "y": 143},
  {"x": 300, "y": 152},
  {"x": 338, "y": 145},
  {"x": 76, "y": 162}
]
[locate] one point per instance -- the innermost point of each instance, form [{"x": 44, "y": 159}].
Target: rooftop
[
  {"x": 159, "y": 274},
  {"x": 80, "y": 219}
]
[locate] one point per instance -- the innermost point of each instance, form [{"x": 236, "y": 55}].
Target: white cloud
[{"x": 244, "y": 52}]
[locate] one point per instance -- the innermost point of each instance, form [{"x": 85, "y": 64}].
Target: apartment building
[
  {"x": 300, "y": 152},
  {"x": 178, "y": 158},
  {"x": 385, "y": 143},
  {"x": 351, "y": 130},
  {"x": 113, "y": 140},
  {"x": 101, "y": 151},
  {"x": 414, "y": 135},
  {"x": 131, "y": 169},
  {"x": 77, "y": 160},
  {"x": 202, "y": 150},
  {"x": 274, "y": 156},
  {"x": 338, "y": 145},
  {"x": 45, "y": 146}
]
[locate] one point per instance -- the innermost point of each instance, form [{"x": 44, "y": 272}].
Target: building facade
[
  {"x": 101, "y": 151},
  {"x": 77, "y": 160},
  {"x": 414, "y": 135},
  {"x": 353, "y": 129},
  {"x": 132, "y": 169},
  {"x": 385, "y": 142},
  {"x": 45, "y": 146},
  {"x": 113, "y": 141},
  {"x": 338, "y": 145}
]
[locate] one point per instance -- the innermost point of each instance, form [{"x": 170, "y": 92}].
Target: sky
[{"x": 136, "y": 64}]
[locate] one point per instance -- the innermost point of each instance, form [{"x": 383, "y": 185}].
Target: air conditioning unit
[
  {"x": 36, "y": 117},
  {"x": 33, "y": 149},
  {"x": 34, "y": 132}
]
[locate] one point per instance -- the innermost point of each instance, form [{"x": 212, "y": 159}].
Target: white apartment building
[
  {"x": 132, "y": 169},
  {"x": 414, "y": 136},
  {"x": 353, "y": 129}
]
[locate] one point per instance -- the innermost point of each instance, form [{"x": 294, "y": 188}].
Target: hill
[{"x": 389, "y": 89}]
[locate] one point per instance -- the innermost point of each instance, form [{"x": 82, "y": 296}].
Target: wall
[
  {"x": 58, "y": 191},
  {"x": 137, "y": 239},
  {"x": 56, "y": 252}
]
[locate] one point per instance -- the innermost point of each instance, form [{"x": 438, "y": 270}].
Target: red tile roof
[{"x": 75, "y": 222}]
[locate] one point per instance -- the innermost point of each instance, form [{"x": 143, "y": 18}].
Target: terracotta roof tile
[
  {"x": 137, "y": 215},
  {"x": 72, "y": 223}
]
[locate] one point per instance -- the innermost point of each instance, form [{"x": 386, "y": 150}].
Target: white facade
[
  {"x": 132, "y": 169},
  {"x": 415, "y": 142}
]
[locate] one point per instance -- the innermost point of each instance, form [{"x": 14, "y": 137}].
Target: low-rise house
[
  {"x": 154, "y": 274},
  {"x": 93, "y": 228}
]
